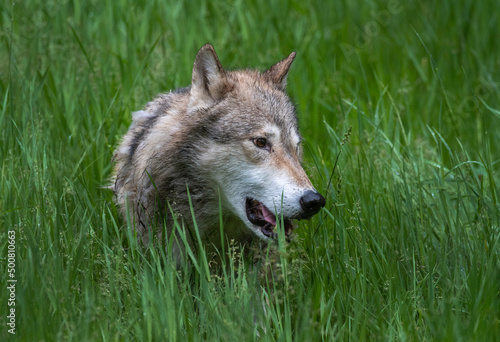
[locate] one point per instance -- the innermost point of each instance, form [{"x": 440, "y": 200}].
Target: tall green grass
[{"x": 401, "y": 120}]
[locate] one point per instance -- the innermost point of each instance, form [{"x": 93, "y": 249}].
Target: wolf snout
[{"x": 311, "y": 202}]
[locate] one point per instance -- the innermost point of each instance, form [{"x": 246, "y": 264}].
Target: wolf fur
[{"x": 230, "y": 138}]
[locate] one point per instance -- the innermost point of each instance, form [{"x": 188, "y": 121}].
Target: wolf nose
[{"x": 311, "y": 202}]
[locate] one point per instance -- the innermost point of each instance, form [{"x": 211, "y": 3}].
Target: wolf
[{"x": 226, "y": 146}]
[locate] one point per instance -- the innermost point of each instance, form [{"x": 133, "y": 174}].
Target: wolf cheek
[{"x": 231, "y": 135}]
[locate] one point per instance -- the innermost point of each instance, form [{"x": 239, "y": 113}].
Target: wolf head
[{"x": 248, "y": 143}]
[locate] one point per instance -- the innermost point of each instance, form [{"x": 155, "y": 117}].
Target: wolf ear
[
  {"x": 209, "y": 80},
  {"x": 278, "y": 72}
]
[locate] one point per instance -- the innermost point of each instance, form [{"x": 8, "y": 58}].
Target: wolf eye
[{"x": 260, "y": 142}]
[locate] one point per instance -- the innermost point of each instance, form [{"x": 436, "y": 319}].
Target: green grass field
[{"x": 399, "y": 106}]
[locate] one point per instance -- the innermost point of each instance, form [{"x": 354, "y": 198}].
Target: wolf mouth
[{"x": 259, "y": 215}]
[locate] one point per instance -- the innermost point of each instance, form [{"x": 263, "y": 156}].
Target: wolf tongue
[{"x": 268, "y": 216}]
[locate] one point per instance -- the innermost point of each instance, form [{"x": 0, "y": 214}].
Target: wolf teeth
[{"x": 268, "y": 230}]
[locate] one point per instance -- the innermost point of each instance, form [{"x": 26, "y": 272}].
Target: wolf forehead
[{"x": 253, "y": 109}]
